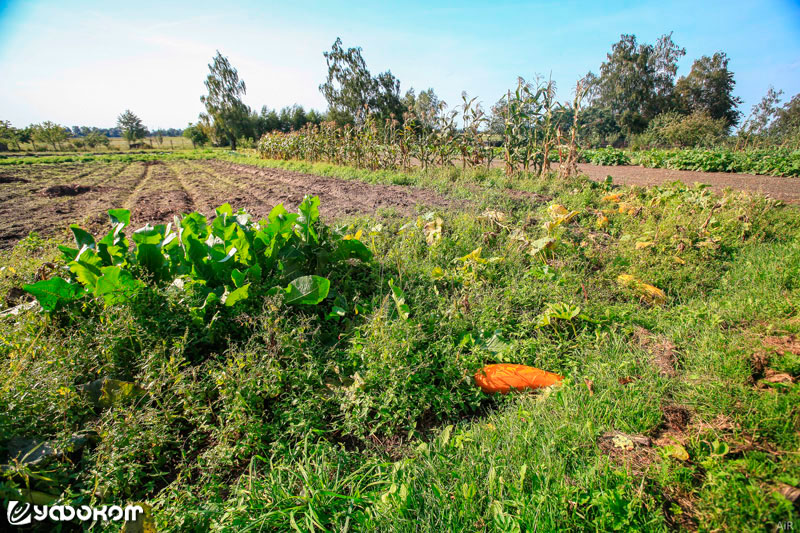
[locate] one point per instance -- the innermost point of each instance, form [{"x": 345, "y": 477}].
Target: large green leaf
[
  {"x": 69, "y": 253},
  {"x": 240, "y": 294},
  {"x": 197, "y": 256},
  {"x": 198, "y": 314},
  {"x": 307, "y": 290},
  {"x": 53, "y": 293},
  {"x": 82, "y": 237},
  {"x": 194, "y": 225},
  {"x": 119, "y": 216},
  {"x": 309, "y": 214},
  {"x": 350, "y": 249},
  {"x": 149, "y": 234},
  {"x": 116, "y": 285},
  {"x": 149, "y": 256},
  {"x": 86, "y": 273},
  {"x": 238, "y": 277}
]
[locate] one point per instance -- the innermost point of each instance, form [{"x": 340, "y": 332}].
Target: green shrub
[
  {"x": 606, "y": 156},
  {"x": 673, "y": 129}
]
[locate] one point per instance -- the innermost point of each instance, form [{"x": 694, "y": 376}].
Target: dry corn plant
[{"x": 569, "y": 167}]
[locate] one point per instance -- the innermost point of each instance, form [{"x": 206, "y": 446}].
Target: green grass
[{"x": 284, "y": 420}]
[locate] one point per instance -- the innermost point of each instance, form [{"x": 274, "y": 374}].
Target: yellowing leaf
[
  {"x": 622, "y": 442},
  {"x": 612, "y": 197},
  {"x": 677, "y": 451},
  {"x": 557, "y": 210},
  {"x": 649, "y": 293},
  {"x": 545, "y": 243},
  {"x": 492, "y": 215},
  {"x": 678, "y": 260},
  {"x": 602, "y": 221},
  {"x": 437, "y": 273},
  {"x": 474, "y": 255},
  {"x": 641, "y": 245},
  {"x": 433, "y": 231},
  {"x": 653, "y": 294}
]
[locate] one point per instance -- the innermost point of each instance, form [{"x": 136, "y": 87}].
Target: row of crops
[
  {"x": 766, "y": 161},
  {"x": 531, "y": 139}
]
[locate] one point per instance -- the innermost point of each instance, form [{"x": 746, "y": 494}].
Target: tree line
[{"x": 635, "y": 99}]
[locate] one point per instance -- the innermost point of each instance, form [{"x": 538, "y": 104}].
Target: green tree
[
  {"x": 196, "y": 135},
  {"x": 26, "y": 135},
  {"x": 786, "y": 126},
  {"x": 95, "y": 138},
  {"x": 224, "y": 106},
  {"x": 131, "y": 126},
  {"x": 425, "y": 107},
  {"x": 9, "y": 135},
  {"x": 50, "y": 133},
  {"x": 351, "y": 91},
  {"x": 763, "y": 113},
  {"x": 709, "y": 88},
  {"x": 636, "y": 81}
]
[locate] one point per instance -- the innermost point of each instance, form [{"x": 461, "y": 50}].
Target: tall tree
[
  {"x": 131, "y": 126},
  {"x": 787, "y": 123},
  {"x": 763, "y": 113},
  {"x": 224, "y": 106},
  {"x": 636, "y": 81},
  {"x": 709, "y": 88},
  {"x": 425, "y": 107},
  {"x": 351, "y": 91}
]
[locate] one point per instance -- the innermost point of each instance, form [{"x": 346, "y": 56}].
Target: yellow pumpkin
[{"x": 503, "y": 377}]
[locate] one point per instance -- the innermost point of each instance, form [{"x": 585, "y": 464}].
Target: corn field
[{"x": 530, "y": 141}]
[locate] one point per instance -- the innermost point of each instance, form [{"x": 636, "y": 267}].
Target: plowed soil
[{"x": 46, "y": 199}]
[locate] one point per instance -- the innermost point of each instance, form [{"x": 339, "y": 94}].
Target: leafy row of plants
[
  {"x": 765, "y": 161},
  {"x": 224, "y": 262},
  {"x": 605, "y": 156}
]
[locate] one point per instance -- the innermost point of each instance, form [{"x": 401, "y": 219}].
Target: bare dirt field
[
  {"x": 784, "y": 189},
  {"x": 47, "y": 198}
]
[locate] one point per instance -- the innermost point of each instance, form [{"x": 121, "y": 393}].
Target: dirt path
[{"x": 784, "y": 189}]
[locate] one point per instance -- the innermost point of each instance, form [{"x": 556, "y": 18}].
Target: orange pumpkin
[{"x": 501, "y": 378}]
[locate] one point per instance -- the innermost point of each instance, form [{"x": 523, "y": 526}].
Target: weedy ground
[{"x": 678, "y": 411}]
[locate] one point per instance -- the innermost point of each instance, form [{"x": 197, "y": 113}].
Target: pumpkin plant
[{"x": 227, "y": 260}]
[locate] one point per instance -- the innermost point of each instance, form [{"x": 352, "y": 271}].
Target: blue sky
[{"x": 84, "y": 62}]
